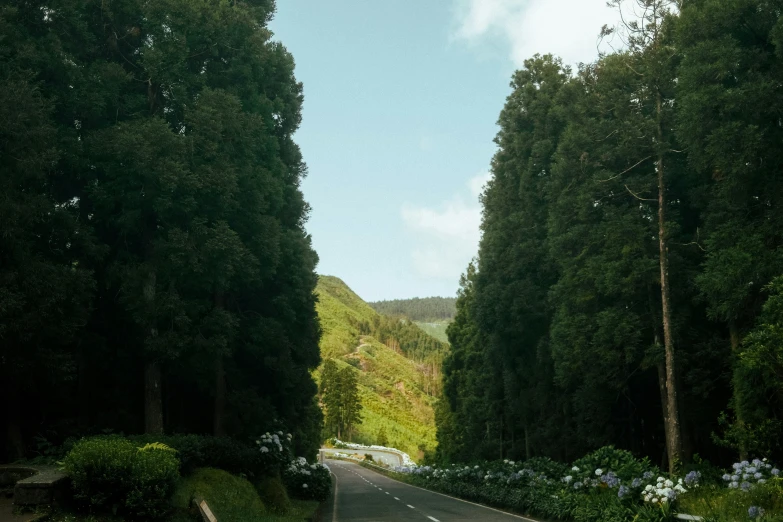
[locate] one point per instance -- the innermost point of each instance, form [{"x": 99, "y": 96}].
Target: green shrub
[
  {"x": 99, "y": 469},
  {"x": 231, "y": 498},
  {"x": 113, "y": 474},
  {"x": 206, "y": 451},
  {"x": 621, "y": 462},
  {"x": 274, "y": 495},
  {"x": 154, "y": 476}
]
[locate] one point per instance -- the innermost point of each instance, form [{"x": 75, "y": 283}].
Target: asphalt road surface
[{"x": 361, "y": 494}]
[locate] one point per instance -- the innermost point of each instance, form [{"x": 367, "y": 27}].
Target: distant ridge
[{"x": 421, "y": 309}]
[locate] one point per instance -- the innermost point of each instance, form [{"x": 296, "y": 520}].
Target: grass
[
  {"x": 719, "y": 504},
  {"x": 231, "y": 498},
  {"x": 435, "y": 329},
  {"x": 391, "y": 386}
]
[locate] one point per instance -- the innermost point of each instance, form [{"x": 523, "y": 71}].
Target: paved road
[{"x": 364, "y": 495}]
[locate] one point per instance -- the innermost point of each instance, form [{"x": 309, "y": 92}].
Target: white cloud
[
  {"x": 566, "y": 28},
  {"x": 477, "y": 183},
  {"x": 447, "y": 235}
]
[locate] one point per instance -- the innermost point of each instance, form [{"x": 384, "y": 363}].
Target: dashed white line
[
  {"x": 387, "y": 492},
  {"x": 395, "y": 498},
  {"x": 433, "y": 519},
  {"x": 411, "y": 506}
]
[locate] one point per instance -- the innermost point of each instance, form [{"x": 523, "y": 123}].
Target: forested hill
[
  {"x": 422, "y": 309},
  {"x": 397, "y": 366},
  {"x": 629, "y": 283}
]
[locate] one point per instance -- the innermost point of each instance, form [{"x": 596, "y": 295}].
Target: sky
[{"x": 400, "y": 111}]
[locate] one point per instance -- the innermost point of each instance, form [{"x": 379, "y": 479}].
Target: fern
[{"x": 157, "y": 446}]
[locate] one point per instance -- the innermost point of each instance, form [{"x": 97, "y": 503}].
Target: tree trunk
[
  {"x": 153, "y": 393},
  {"x": 220, "y": 397},
  {"x": 83, "y": 389},
  {"x": 735, "y": 342},
  {"x": 527, "y": 444},
  {"x": 501, "y": 437},
  {"x": 220, "y": 382},
  {"x": 11, "y": 398},
  {"x": 674, "y": 443},
  {"x": 153, "y": 399}
]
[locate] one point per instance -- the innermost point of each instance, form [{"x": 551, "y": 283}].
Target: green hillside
[
  {"x": 437, "y": 329},
  {"x": 397, "y": 392}
]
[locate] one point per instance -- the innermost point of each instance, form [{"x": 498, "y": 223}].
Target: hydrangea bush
[
  {"x": 608, "y": 485},
  {"x": 307, "y": 481},
  {"x": 275, "y": 449}
]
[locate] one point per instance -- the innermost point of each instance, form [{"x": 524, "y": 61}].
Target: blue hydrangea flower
[
  {"x": 636, "y": 483},
  {"x": 755, "y": 512},
  {"x": 648, "y": 475},
  {"x": 610, "y": 479},
  {"x": 623, "y": 491},
  {"x": 745, "y": 486},
  {"x": 692, "y": 478},
  {"x": 775, "y": 471}
]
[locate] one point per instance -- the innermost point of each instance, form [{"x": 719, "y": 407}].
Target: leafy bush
[
  {"x": 621, "y": 462},
  {"x": 99, "y": 470},
  {"x": 154, "y": 475},
  {"x": 274, "y": 495},
  {"x": 231, "y": 498},
  {"x": 113, "y": 474},
  {"x": 307, "y": 481},
  {"x": 206, "y": 451}
]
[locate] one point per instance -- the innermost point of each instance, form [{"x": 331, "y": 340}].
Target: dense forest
[
  {"x": 155, "y": 274},
  {"x": 628, "y": 288},
  {"x": 419, "y": 309}
]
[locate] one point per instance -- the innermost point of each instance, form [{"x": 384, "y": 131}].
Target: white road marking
[
  {"x": 395, "y": 498},
  {"x": 434, "y": 519},
  {"x": 334, "y": 510},
  {"x": 465, "y": 501}
]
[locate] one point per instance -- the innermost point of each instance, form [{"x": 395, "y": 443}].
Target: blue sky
[{"x": 401, "y": 100}]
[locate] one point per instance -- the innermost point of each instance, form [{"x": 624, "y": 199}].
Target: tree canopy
[
  {"x": 155, "y": 273},
  {"x": 631, "y": 230}
]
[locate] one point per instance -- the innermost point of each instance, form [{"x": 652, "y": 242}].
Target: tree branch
[
  {"x": 626, "y": 170},
  {"x": 638, "y": 197}
]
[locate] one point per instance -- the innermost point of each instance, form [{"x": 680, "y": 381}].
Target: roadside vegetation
[
  {"x": 119, "y": 478},
  {"x": 610, "y": 485}
]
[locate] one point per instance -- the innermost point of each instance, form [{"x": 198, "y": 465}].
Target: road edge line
[
  {"x": 334, "y": 506},
  {"x": 454, "y": 498}
]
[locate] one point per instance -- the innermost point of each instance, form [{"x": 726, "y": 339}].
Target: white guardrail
[{"x": 387, "y": 456}]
